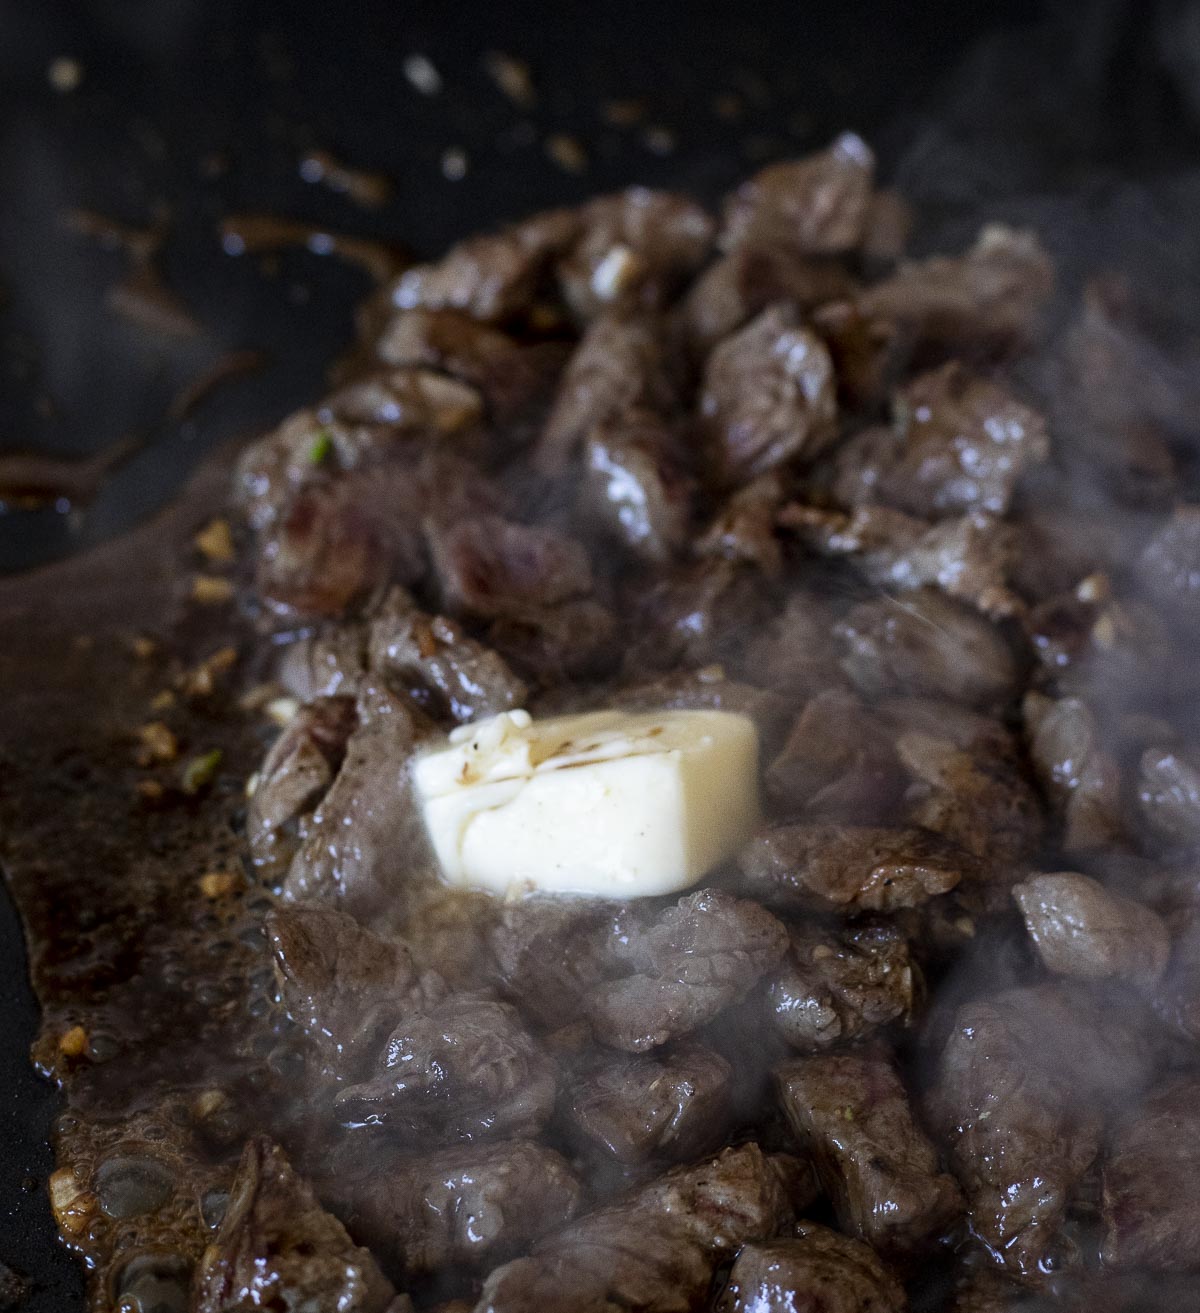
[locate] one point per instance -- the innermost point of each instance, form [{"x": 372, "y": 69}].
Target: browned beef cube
[
  {"x": 875, "y": 1162},
  {"x": 1168, "y": 794},
  {"x": 816, "y": 1271},
  {"x": 277, "y": 1247},
  {"x": 1152, "y": 1183},
  {"x": 1082, "y": 930}
]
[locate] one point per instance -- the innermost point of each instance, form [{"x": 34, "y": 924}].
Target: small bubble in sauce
[{"x": 129, "y": 1186}]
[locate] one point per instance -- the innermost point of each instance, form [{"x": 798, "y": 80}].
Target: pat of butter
[{"x": 611, "y": 804}]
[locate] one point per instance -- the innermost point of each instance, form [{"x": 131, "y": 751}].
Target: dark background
[{"x": 970, "y": 106}]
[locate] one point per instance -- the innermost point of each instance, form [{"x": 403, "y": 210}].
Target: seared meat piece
[
  {"x": 868, "y": 354},
  {"x": 968, "y": 558},
  {"x": 768, "y": 397},
  {"x": 406, "y": 401},
  {"x": 635, "y": 488},
  {"x": 488, "y": 567},
  {"x": 794, "y": 653},
  {"x": 817, "y": 1271},
  {"x": 551, "y": 951},
  {"x": 874, "y": 1160},
  {"x": 446, "y": 673},
  {"x": 980, "y": 800},
  {"x": 1176, "y": 1001},
  {"x": 960, "y": 444},
  {"x": 1082, "y": 930},
  {"x": 512, "y": 378},
  {"x": 851, "y": 867},
  {"x": 471, "y": 1205},
  {"x": 654, "y": 1250},
  {"x": 1024, "y": 1081},
  {"x": 366, "y": 838},
  {"x": 618, "y": 367},
  {"x": 334, "y": 973},
  {"x": 741, "y": 284},
  {"x": 278, "y": 1248},
  {"x": 703, "y": 954},
  {"x": 574, "y": 639},
  {"x": 744, "y": 527},
  {"x": 1168, "y": 793},
  {"x": 1152, "y": 1183},
  {"x": 817, "y": 205},
  {"x": 493, "y": 277},
  {"x": 463, "y": 1069},
  {"x": 692, "y": 616},
  {"x": 670, "y": 1105},
  {"x": 838, "y": 762},
  {"x": 889, "y": 225},
  {"x": 294, "y": 777},
  {"x": 634, "y": 249},
  {"x": 926, "y": 644},
  {"x": 1080, "y": 777},
  {"x": 835, "y": 988},
  {"x": 330, "y": 663},
  {"x": 383, "y": 415},
  {"x": 987, "y": 299}
]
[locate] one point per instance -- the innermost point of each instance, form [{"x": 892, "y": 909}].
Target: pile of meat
[{"x": 933, "y": 1039}]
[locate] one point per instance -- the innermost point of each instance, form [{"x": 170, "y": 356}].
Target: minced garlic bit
[
  {"x": 512, "y": 76},
  {"x": 283, "y": 710},
  {"x": 73, "y": 1205},
  {"x": 566, "y": 152},
  {"x": 211, "y": 590},
  {"x": 215, "y": 542},
  {"x": 158, "y": 743},
  {"x": 163, "y": 700},
  {"x": 217, "y": 884},
  {"x": 201, "y": 680},
  {"x": 200, "y": 771},
  {"x": 143, "y": 647},
  {"x": 73, "y": 1043}
]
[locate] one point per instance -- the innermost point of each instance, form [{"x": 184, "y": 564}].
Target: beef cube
[
  {"x": 449, "y": 675},
  {"x": 618, "y": 367},
  {"x": 926, "y": 644},
  {"x": 794, "y": 654},
  {"x": 672, "y": 1105},
  {"x": 980, "y": 800},
  {"x": 488, "y": 567},
  {"x": 875, "y": 1162},
  {"x": 743, "y": 283},
  {"x": 1177, "y": 999},
  {"x": 1025, "y": 1079},
  {"x": 768, "y": 397},
  {"x": 851, "y": 867},
  {"x": 463, "y": 1069},
  {"x": 278, "y": 1248},
  {"x": 835, "y": 988},
  {"x": 292, "y": 780},
  {"x": 634, "y": 250},
  {"x": 330, "y": 663},
  {"x": 333, "y": 975},
  {"x": 744, "y": 527},
  {"x": 467, "y": 1206},
  {"x": 692, "y": 616},
  {"x": 868, "y": 353},
  {"x": 514, "y": 380},
  {"x": 987, "y": 300},
  {"x": 1168, "y": 794},
  {"x": 1080, "y": 777},
  {"x": 391, "y": 403},
  {"x": 491, "y": 278},
  {"x": 818, "y": 205},
  {"x": 968, "y": 558},
  {"x": 838, "y": 763},
  {"x": 703, "y": 954},
  {"x": 816, "y": 1271},
  {"x": 551, "y": 951},
  {"x": 655, "y": 1249},
  {"x": 575, "y": 639},
  {"x": 635, "y": 488},
  {"x": 963, "y": 443},
  {"x": 1083, "y": 931},
  {"x": 1151, "y": 1205},
  {"x": 366, "y": 840}
]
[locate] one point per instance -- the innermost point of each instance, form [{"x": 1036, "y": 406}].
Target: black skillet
[{"x": 195, "y": 109}]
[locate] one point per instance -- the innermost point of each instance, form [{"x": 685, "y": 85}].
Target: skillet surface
[{"x": 171, "y": 88}]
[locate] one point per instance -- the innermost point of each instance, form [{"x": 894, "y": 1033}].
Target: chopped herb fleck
[
  {"x": 199, "y": 772},
  {"x": 321, "y": 449}
]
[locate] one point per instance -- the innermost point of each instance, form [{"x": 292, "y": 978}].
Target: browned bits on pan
[
  {"x": 157, "y": 743},
  {"x": 211, "y": 590},
  {"x": 219, "y": 884},
  {"x": 73, "y": 1043},
  {"x": 215, "y": 542}
]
